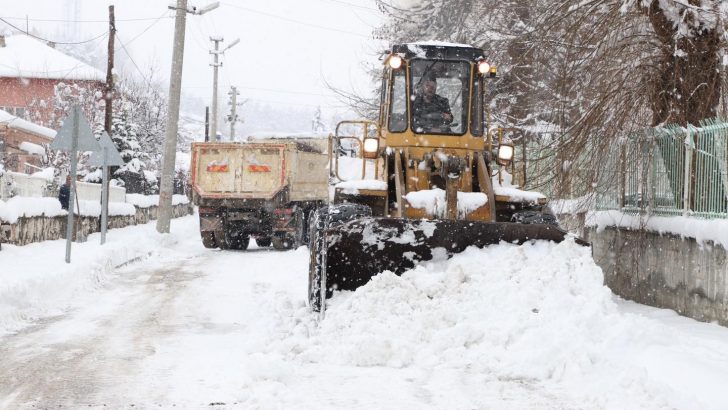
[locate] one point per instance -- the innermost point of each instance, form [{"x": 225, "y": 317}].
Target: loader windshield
[{"x": 439, "y": 96}]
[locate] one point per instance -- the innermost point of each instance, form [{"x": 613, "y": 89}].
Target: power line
[
  {"x": 157, "y": 20},
  {"x": 359, "y": 6},
  {"x": 79, "y": 21},
  {"x": 51, "y": 41},
  {"x": 296, "y": 21}
]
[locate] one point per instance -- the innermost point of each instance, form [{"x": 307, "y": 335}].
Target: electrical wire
[
  {"x": 78, "y": 21},
  {"x": 51, "y": 41},
  {"x": 157, "y": 20},
  {"x": 296, "y": 21}
]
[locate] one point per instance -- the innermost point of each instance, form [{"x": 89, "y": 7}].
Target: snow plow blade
[{"x": 362, "y": 248}]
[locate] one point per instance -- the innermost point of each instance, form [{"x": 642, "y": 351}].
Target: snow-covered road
[{"x": 502, "y": 328}]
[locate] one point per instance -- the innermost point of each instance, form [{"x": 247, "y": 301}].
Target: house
[
  {"x": 22, "y": 143},
  {"x": 30, "y": 73}
]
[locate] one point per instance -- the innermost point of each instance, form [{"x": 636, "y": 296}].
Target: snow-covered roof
[
  {"x": 23, "y": 125},
  {"x": 26, "y": 57}
]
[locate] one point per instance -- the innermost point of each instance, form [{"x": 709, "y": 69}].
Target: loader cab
[{"x": 410, "y": 116}]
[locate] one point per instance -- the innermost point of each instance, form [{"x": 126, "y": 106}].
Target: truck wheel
[
  {"x": 208, "y": 239},
  {"x": 221, "y": 240},
  {"x": 300, "y": 221},
  {"x": 263, "y": 242},
  {"x": 336, "y": 215},
  {"x": 240, "y": 242},
  {"x": 282, "y": 243}
]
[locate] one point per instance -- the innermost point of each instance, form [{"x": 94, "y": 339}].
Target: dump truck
[
  {"x": 431, "y": 178},
  {"x": 265, "y": 188}
]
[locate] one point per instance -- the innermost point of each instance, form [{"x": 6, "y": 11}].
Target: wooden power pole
[{"x": 109, "y": 96}]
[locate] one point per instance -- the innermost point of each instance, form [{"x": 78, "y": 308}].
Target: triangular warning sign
[
  {"x": 113, "y": 159},
  {"x": 75, "y": 123}
]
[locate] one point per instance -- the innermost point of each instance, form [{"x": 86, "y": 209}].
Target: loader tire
[
  {"x": 333, "y": 215},
  {"x": 208, "y": 239}
]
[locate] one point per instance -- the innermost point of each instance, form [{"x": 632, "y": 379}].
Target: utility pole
[
  {"x": 207, "y": 124},
  {"x": 175, "y": 89},
  {"x": 215, "y": 65},
  {"x": 216, "y": 53},
  {"x": 109, "y": 97},
  {"x": 110, "y": 71},
  {"x": 233, "y": 110}
]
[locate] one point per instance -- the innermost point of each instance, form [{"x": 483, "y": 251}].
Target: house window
[{"x": 16, "y": 111}]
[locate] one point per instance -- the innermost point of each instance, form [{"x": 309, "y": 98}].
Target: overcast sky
[{"x": 288, "y": 48}]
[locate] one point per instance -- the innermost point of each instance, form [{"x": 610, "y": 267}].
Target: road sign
[
  {"x": 75, "y": 135},
  {"x": 113, "y": 159},
  {"x": 108, "y": 156},
  {"x": 75, "y": 123}
]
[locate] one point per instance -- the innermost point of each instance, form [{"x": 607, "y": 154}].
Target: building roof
[
  {"x": 20, "y": 124},
  {"x": 26, "y": 57}
]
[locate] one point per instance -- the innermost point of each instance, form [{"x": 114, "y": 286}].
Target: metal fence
[{"x": 665, "y": 171}]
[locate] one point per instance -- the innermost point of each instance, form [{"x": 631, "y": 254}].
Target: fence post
[{"x": 688, "y": 143}]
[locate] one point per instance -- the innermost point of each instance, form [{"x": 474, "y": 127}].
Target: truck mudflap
[{"x": 357, "y": 250}]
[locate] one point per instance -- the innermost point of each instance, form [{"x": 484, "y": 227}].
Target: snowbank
[
  {"x": 35, "y": 282},
  {"x": 702, "y": 230},
  {"x": 434, "y": 202},
  {"x": 536, "y": 314},
  {"x": 146, "y": 201}
]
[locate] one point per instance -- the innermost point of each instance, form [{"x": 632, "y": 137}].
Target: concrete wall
[
  {"x": 41, "y": 228},
  {"x": 664, "y": 271}
]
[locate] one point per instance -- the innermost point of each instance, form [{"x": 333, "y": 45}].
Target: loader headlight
[
  {"x": 371, "y": 147},
  {"x": 505, "y": 154},
  {"x": 394, "y": 61},
  {"x": 483, "y": 67}
]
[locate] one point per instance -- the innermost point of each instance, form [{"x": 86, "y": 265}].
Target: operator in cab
[{"x": 431, "y": 112}]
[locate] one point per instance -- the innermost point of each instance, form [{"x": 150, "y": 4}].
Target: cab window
[{"x": 398, "y": 103}]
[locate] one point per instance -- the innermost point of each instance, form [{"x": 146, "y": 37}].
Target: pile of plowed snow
[{"x": 537, "y": 313}]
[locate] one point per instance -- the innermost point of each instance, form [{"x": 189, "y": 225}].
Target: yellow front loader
[{"x": 420, "y": 182}]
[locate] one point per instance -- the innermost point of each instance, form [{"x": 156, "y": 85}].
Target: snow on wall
[
  {"x": 702, "y": 230},
  {"x": 146, "y": 201}
]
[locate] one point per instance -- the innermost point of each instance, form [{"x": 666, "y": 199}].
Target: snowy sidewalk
[{"x": 35, "y": 281}]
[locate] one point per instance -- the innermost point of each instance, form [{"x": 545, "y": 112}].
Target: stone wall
[
  {"x": 40, "y": 228},
  {"x": 664, "y": 271}
]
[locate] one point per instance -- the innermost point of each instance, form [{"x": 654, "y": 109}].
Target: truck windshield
[{"x": 440, "y": 92}]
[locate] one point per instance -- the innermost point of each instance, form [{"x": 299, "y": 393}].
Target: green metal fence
[
  {"x": 672, "y": 171},
  {"x": 666, "y": 171}
]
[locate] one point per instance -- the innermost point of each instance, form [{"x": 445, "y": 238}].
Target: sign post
[
  {"x": 75, "y": 135},
  {"x": 107, "y": 157}
]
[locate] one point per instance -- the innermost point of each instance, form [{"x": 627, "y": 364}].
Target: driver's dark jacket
[{"x": 438, "y": 105}]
